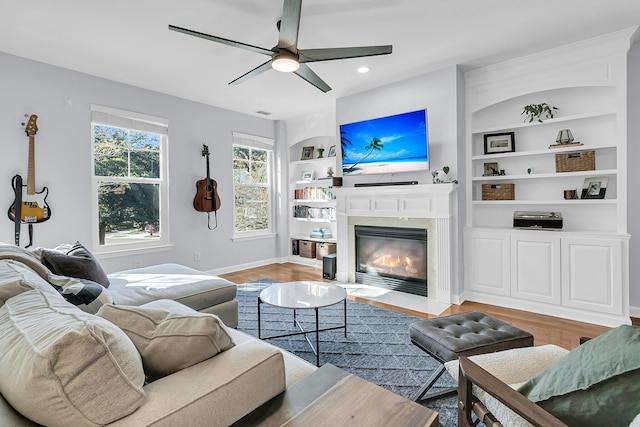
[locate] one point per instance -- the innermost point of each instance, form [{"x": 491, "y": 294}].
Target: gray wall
[
  {"x": 633, "y": 212},
  {"x": 61, "y": 98},
  {"x": 442, "y": 93}
]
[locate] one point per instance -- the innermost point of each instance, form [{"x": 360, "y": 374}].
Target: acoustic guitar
[
  {"x": 207, "y": 199},
  {"x": 33, "y": 206}
]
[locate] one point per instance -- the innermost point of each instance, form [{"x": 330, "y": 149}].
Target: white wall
[
  {"x": 61, "y": 99},
  {"x": 633, "y": 151},
  {"x": 442, "y": 93}
]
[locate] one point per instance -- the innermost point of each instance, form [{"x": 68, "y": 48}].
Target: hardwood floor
[{"x": 545, "y": 329}]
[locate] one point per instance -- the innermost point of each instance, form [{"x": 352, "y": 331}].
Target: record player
[{"x": 539, "y": 220}]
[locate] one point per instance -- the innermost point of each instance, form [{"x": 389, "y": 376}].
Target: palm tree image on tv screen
[{"x": 390, "y": 144}]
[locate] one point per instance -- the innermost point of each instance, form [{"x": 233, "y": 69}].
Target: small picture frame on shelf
[
  {"x": 307, "y": 153},
  {"x": 307, "y": 176},
  {"x": 594, "y": 188},
  {"x": 490, "y": 169},
  {"x": 332, "y": 151},
  {"x": 495, "y": 143}
]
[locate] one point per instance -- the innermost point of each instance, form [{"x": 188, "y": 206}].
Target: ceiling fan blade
[
  {"x": 307, "y": 73},
  {"x": 222, "y": 40},
  {"x": 328, "y": 54},
  {"x": 290, "y": 24},
  {"x": 258, "y": 70}
]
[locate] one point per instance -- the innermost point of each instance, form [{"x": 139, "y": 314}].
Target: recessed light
[{"x": 363, "y": 69}]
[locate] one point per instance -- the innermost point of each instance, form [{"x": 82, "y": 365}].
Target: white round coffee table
[{"x": 304, "y": 295}]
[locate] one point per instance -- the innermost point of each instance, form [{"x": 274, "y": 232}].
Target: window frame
[
  {"x": 113, "y": 117},
  {"x": 261, "y": 143}
]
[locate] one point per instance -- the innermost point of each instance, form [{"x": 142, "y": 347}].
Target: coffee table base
[{"x": 317, "y": 330}]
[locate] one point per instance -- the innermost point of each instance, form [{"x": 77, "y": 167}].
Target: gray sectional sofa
[{"x": 60, "y": 365}]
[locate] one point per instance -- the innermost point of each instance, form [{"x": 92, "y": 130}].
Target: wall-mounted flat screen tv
[{"x": 390, "y": 144}]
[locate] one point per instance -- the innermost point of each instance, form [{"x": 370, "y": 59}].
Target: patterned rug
[{"x": 377, "y": 347}]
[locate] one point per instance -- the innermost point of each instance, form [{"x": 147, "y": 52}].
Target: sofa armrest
[{"x": 471, "y": 374}]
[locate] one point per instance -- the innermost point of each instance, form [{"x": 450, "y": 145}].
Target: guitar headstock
[
  {"x": 31, "y": 128},
  {"x": 205, "y": 150}
]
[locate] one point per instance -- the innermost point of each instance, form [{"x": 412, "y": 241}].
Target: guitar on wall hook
[
  {"x": 207, "y": 199},
  {"x": 29, "y": 206}
]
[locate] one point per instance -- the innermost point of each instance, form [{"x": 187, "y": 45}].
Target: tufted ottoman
[{"x": 464, "y": 334}]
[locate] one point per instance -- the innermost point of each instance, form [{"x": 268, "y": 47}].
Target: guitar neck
[
  {"x": 208, "y": 175},
  {"x": 31, "y": 169}
]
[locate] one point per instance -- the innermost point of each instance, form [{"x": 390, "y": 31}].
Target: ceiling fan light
[{"x": 285, "y": 62}]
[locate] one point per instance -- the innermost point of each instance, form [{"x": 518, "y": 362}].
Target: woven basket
[
  {"x": 307, "y": 249},
  {"x": 498, "y": 191},
  {"x": 578, "y": 161}
]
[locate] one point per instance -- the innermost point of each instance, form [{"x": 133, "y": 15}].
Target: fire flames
[{"x": 393, "y": 264}]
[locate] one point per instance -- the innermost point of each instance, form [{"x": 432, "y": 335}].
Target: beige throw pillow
[
  {"x": 170, "y": 336},
  {"x": 64, "y": 367}
]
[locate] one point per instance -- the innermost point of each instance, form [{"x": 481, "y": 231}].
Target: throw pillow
[
  {"x": 169, "y": 336},
  {"x": 596, "y": 384},
  {"x": 78, "y": 262},
  {"x": 64, "y": 367},
  {"x": 88, "y": 296}
]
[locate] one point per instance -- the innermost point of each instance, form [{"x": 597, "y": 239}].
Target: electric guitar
[
  {"x": 33, "y": 206},
  {"x": 207, "y": 199}
]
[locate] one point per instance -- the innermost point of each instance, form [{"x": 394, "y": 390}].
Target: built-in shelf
[
  {"x": 544, "y": 122},
  {"x": 553, "y": 175},
  {"x": 541, "y": 152},
  {"x": 316, "y": 195},
  {"x": 313, "y": 239},
  {"x": 548, "y": 202}
]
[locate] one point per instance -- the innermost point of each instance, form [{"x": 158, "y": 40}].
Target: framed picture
[
  {"x": 332, "y": 151},
  {"x": 307, "y": 176},
  {"x": 499, "y": 143},
  {"x": 307, "y": 153},
  {"x": 594, "y": 188},
  {"x": 490, "y": 169}
]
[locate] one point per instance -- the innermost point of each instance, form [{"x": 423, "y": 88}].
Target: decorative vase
[{"x": 320, "y": 151}]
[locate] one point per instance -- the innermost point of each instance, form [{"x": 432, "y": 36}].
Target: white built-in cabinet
[{"x": 580, "y": 272}]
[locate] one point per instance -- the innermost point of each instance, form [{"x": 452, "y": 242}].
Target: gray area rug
[{"x": 377, "y": 347}]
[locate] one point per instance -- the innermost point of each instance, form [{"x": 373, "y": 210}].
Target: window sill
[
  {"x": 113, "y": 252},
  {"x": 240, "y": 238}
]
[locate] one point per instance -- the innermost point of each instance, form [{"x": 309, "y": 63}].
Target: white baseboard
[
  {"x": 634, "y": 312},
  {"x": 245, "y": 266}
]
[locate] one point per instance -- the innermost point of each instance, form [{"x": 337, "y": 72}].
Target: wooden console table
[{"x": 333, "y": 397}]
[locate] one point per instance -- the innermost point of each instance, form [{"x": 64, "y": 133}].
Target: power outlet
[{"x": 196, "y": 256}]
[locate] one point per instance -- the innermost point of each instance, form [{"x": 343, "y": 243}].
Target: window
[
  {"x": 129, "y": 176},
  {"x": 252, "y": 185}
]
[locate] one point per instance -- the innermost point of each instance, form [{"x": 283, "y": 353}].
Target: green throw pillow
[{"x": 597, "y": 384}]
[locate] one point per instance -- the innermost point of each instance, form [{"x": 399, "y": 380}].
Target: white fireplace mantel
[{"x": 428, "y": 205}]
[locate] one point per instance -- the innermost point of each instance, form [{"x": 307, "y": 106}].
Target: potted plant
[{"x": 537, "y": 111}]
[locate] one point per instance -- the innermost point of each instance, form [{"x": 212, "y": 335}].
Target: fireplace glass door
[{"x": 392, "y": 257}]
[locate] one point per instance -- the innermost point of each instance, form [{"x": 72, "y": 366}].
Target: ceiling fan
[{"x": 286, "y": 56}]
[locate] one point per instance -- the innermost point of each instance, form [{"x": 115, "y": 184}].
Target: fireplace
[
  {"x": 392, "y": 257},
  {"x": 430, "y": 207}
]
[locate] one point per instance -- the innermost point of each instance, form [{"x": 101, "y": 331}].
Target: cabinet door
[
  {"x": 592, "y": 274},
  {"x": 487, "y": 262},
  {"x": 535, "y": 267}
]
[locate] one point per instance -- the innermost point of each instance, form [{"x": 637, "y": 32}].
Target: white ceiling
[{"x": 128, "y": 41}]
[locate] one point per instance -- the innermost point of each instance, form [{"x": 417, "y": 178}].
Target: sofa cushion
[
  {"x": 86, "y": 295},
  {"x": 596, "y": 384},
  {"x": 193, "y": 288},
  {"x": 169, "y": 336},
  {"x": 61, "y": 366},
  {"x": 16, "y": 278},
  {"x": 77, "y": 262}
]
